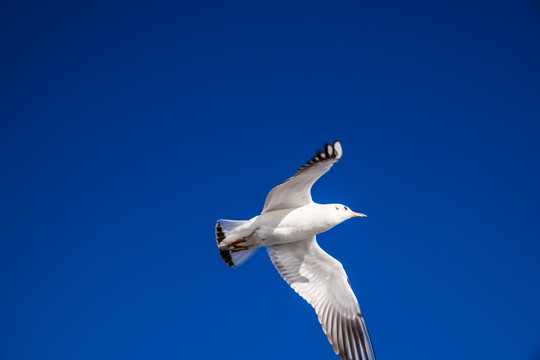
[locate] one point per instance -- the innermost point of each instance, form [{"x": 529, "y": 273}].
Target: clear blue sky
[{"x": 127, "y": 129}]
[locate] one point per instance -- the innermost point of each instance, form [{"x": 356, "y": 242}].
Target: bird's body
[{"x": 287, "y": 227}]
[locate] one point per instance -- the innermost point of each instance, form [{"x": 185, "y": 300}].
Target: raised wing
[
  {"x": 296, "y": 191},
  {"x": 321, "y": 281}
]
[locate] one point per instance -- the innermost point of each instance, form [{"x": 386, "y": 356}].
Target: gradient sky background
[{"x": 129, "y": 128}]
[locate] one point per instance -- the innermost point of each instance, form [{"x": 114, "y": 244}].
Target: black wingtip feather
[
  {"x": 331, "y": 152},
  {"x": 225, "y": 254}
]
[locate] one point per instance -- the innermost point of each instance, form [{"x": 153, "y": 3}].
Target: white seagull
[{"x": 288, "y": 226}]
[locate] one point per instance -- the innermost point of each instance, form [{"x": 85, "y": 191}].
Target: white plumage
[{"x": 287, "y": 227}]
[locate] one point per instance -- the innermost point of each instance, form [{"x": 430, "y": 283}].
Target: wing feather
[
  {"x": 296, "y": 191},
  {"x": 321, "y": 281}
]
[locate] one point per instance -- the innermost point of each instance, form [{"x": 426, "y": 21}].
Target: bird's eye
[
  {"x": 346, "y": 208},
  {"x": 337, "y": 208}
]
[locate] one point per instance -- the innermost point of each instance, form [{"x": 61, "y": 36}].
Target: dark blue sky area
[{"x": 128, "y": 129}]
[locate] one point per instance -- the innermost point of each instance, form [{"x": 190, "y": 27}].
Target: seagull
[{"x": 287, "y": 227}]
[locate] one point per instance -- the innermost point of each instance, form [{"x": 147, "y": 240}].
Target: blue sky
[{"x": 128, "y": 129}]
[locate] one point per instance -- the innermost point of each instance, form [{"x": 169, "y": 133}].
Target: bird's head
[{"x": 344, "y": 213}]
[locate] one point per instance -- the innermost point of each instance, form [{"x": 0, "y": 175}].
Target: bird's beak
[{"x": 355, "y": 214}]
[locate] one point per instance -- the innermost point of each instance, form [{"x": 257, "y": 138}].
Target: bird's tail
[{"x": 223, "y": 229}]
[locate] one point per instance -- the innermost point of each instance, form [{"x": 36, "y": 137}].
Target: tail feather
[
  {"x": 233, "y": 259},
  {"x": 240, "y": 257},
  {"x": 230, "y": 225}
]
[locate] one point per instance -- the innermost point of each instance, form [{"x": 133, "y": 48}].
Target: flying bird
[{"x": 287, "y": 227}]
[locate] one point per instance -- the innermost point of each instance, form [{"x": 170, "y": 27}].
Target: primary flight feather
[{"x": 287, "y": 227}]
